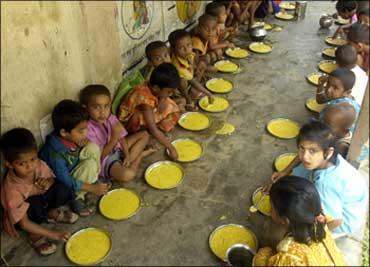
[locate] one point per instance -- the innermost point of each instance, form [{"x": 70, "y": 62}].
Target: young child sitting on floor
[
  {"x": 296, "y": 206},
  {"x": 346, "y": 57},
  {"x": 183, "y": 58},
  {"x": 74, "y": 160},
  {"x": 358, "y": 37},
  {"x": 156, "y": 53},
  {"x": 347, "y": 10},
  {"x": 148, "y": 106},
  {"x": 121, "y": 154},
  {"x": 30, "y": 195}
]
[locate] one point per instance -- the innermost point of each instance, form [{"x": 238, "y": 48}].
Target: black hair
[
  {"x": 297, "y": 199},
  {"x": 225, "y": 3},
  {"x": 153, "y": 46},
  {"x": 17, "y": 141},
  {"x": 67, "y": 114},
  {"x": 345, "y": 6},
  {"x": 346, "y": 76},
  {"x": 358, "y": 33},
  {"x": 202, "y": 20},
  {"x": 364, "y": 11},
  {"x": 214, "y": 9},
  {"x": 165, "y": 75},
  {"x": 320, "y": 133},
  {"x": 177, "y": 35},
  {"x": 92, "y": 90},
  {"x": 346, "y": 56}
]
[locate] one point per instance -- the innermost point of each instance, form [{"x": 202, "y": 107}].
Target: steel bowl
[
  {"x": 257, "y": 33},
  {"x": 240, "y": 255},
  {"x": 326, "y": 21}
]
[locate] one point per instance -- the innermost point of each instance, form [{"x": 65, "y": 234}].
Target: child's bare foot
[
  {"x": 194, "y": 94},
  {"x": 191, "y": 107},
  {"x": 148, "y": 151}
]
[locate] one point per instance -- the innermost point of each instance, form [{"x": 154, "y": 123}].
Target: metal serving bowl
[
  {"x": 257, "y": 33},
  {"x": 326, "y": 21}
]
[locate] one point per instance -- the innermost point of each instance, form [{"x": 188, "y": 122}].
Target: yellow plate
[
  {"x": 312, "y": 105},
  {"x": 187, "y": 149},
  {"x": 282, "y": 161},
  {"x": 220, "y": 104},
  {"x": 226, "y": 129},
  {"x": 260, "y": 47},
  {"x": 335, "y": 41},
  {"x": 219, "y": 85},
  {"x": 327, "y": 66},
  {"x": 284, "y": 16},
  {"x": 342, "y": 21},
  {"x": 258, "y": 23},
  {"x": 88, "y": 246},
  {"x": 164, "y": 175},
  {"x": 283, "y": 128},
  {"x": 263, "y": 204},
  {"x": 236, "y": 52},
  {"x": 119, "y": 204},
  {"x": 314, "y": 77},
  {"x": 276, "y": 29},
  {"x": 194, "y": 121},
  {"x": 268, "y": 26},
  {"x": 225, "y": 236},
  {"x": 226, "y": 66},
  {"x": 287, "y": 5},
  {"x": 329, "y": 52}
]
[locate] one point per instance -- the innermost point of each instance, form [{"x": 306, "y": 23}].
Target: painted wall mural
[{"x": 187, "y": 10}]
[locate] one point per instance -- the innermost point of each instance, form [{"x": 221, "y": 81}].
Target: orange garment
[
  {"x": 130, "y": 114},
  {"x": 199, "y": 45},
  {"x": 16, "y": 190}
]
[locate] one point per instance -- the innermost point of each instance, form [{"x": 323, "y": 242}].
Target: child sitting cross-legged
[
  {"x": 30, "y": 194},
  {"x": 74, "y": 160},
  {"x": 121, "y": 154}
]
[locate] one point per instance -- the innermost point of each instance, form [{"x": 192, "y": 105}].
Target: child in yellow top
[
  {"x": 183, "y": 58},
  {"x": 295, "y": 203}
]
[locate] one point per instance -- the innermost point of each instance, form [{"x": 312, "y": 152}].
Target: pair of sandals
[{"x": 85, "y": 207}]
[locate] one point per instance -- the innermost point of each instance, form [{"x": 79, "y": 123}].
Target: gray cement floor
[{"x": 172, "y": 227}]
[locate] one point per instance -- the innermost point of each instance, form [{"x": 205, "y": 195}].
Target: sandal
[
  {"x": 91, "y": 200},
  {"x": 79, "y": 206},
  {"x": 43, "y": 246},
  {"x": 62, "y": 216}
]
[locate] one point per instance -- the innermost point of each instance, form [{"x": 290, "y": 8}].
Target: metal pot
[
  {"x": 240, "y": 255},
  {"x": 326, "y": 21},
  {"x": 258, "y": 33}
]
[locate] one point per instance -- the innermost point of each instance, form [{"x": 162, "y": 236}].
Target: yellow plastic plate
[
  {"x": 258, "y": 23},
  {"x": 237, "y": 52},
  {"x": 219, "y": 85},
  {"x": 225, "y": 236},
  {"x": 282, "y": 161},
  {"x": 283, "y": 128},
  {"x": 314, "y": 77},
  {"x": 342, "y": 21},
  {"x": 312, "y": 105},
  {"x": 284, "y": 16},
  {"x": 220, "y": 104},
  {"x": 194, "y": 121},
  {"x": 164, "y": 175},
  {"x": 327, "y": 66},
  {"x": 119, "y": 204},
  {"x": 268, "y": 26},
  {"x": 226, "y": 66},
  {"x": 263, "y": 205},
  {"x": 287, "y": 5},
  {"x": 260, "y": 47},
  {"x": 88, "y": 246},
  {"x": 187, "y": 149},
  {"x": 335, "y": 41},
  {"x": 329, "y": 52},
  {"x": 276, "y": 29},
  {"x": 226, "y": 129}
]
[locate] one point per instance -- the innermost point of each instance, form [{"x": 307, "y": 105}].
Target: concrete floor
[{"x": 173, "y": 226}]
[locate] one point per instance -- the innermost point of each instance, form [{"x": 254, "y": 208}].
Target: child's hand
[
  {"x": 99, "y": 189},
  {"x": 126, "y": 161},
  {"x": 211, "y": 98},
  {"x": 172, "y": 152},
  {"x": 276, "y": 176},
  {"x": 231, "y": 45},
  {"x": 323, "y": 79},
  {"x": 44, "y": 183},
  {"x": 61, "y": 235}
]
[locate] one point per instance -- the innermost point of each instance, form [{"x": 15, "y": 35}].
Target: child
[
  {"x": 346, "y": 57},
  {"x": 75, "y": 161},
  {"x": 247, "y": 11},
  {"x": 363, "y": 16},
  {"x": 156, "y": 53},
  {"x": 183, "y": 58},
  {"x": 120, "y": 154},
  {"x": 148, "y": 106},
  {"x": 347, "y": 10},
  {"x": 358, "y": 37},
  {"x": 295, "y": 204},
  {"x": 30, "y": 195},
  {"x": 267, "y": 7}
]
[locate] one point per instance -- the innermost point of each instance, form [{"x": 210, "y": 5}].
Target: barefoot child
[
  {"x": 74, "y": 160},
  {"x": 30, "y": 195},
  {"x": 121, "y": 154}
]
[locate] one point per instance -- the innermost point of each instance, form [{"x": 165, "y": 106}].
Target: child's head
[
  {"x": 339, "y": 118},
  {"x": 181, "y": 43},
  {"x": 19, "y": 149},
  {"x": 217, "y": 10},
  {"x": 164, "y": 80},
  {"x": 340, "y": 83},
  {"x": 97, "y": 101},
  {"x": 316, "y": 145},
  {"x": 346, "y": 8},
  {"x": 358, "y": 37},
  {"x": 363, "y": 16},
  {"x": 70, "y": 121},
  {"x": 157, "y": 53},
  {"x": 346, "y": 56},
  {"x": 296, "y": 203},
  {"x": 207, "y": 26}
]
